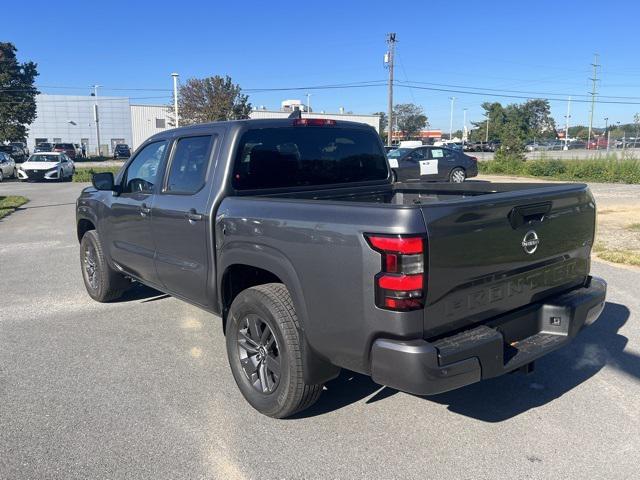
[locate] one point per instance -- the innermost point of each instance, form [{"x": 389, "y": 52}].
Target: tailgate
[{"x": 493, "y": 253}]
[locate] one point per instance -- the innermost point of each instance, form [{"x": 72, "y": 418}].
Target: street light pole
[
  {"x": 175, "y": 98},
  {"x": 453, "y": 99},
  {"x": 96, "y": 116},
  {"x": 566, "y": 132},
  {"x": 464, "y": 127}
]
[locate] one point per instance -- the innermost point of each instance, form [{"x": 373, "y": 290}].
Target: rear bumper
[{"x": 498, "y": 347}]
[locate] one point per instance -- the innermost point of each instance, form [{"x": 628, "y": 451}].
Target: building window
[
  {"x": 41, "y": 140},
  {"x": 57, "y": 140},
  {"x": 160, "y": 123}
]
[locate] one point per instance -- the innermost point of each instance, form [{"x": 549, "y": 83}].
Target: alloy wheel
[
  {"x": 458, "y": 176},
  {"x": 259, "y": 354},
  {"x": 91, "y": 267}
]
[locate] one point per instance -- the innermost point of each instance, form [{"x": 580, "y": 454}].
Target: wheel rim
[
  {"x": 458, "y": 176},
  {"x": 259, "y": 354},
  {"x": 91, "y": 267}
]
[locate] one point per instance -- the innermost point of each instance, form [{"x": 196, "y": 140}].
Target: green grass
[
  {"x": 634, "y": 227},
  {"x": 9, "y": 204},
  {"x": 84, "y": 174},
  {"x": 626, "y": 257},
  {"x": 607, "y": 169}
]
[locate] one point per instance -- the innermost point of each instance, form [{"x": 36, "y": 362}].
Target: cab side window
[
  {"x": 142, "y": 173},
  {"x": 189, "y": 164}
]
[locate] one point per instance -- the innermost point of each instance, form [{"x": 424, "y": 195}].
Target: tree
[
  {"x": 411, "y": 119},
  {"x": 211, "y": 99},
  {"x": 384, "y": 121},
  {"x": 17, "y": 94}
]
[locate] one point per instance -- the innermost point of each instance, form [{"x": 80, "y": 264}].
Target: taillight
[
  {"x": 400, "y": 285},
  {"x": 313, "y": 122},
  {"x": 475, "y": 159}
]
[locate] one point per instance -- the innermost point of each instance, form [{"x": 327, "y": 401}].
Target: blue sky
[{"x": 529, "y": 47}]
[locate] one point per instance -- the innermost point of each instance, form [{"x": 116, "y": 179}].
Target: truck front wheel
[
  {"x": 102, "y": 282},
  {"x": 264, "y": 346}
]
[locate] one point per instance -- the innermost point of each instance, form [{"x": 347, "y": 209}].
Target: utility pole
[
  {"x": 566, "y": 132},
  {"x": 175, "y": 98},
  {"x": 391, "y": 41},
  {"x": 453, "y": 99},
  {"x": 594, "y": 91},
  {"x": 606, "y": 130},
  {"x": 96, "y": 116}
]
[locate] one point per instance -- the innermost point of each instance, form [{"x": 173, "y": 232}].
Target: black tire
[
  {"x": 15, "y": 173},
  {"x": 105, "y": 284},
  {"x": 1, "y": 176},
  {"x": 457, "y": 175},
  {"x": 271, "y": 305}
]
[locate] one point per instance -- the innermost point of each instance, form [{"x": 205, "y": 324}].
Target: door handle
[
  {"x": 193, "y": 216},
  {"x": 144, "y": 210}
]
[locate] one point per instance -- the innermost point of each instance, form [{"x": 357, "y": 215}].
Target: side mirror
[{"x": 103, "y": 181}]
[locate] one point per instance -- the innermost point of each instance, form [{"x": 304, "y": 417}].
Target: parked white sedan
[
  {"x": 7, "y": 167},
  {"x": 47, "y": 166}
]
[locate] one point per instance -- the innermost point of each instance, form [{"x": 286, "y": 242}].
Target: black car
[
  {"x": 121, "y": 150},
  {"x": 14, "y": 152},
  {"x": 431, "y": 163},
  {"x": 43, "y": 147}
]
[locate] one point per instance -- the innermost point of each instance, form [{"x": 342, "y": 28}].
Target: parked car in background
[
  {"x": 47, "y": 166},
  {"x": 21, "y": 145},
  {"x": 577, "y": 145},
  {"x": 493, "y": 145},
  {"x": 67, "y": 148},
  {"x": 14, "y": 152},
  {"x": 43, "y": 147},
  {"x": 431, "y": 163},
  {"x": 7, "y": 167},
  {"x": 121, "y": 150}
]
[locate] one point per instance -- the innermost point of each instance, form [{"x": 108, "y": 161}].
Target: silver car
[{"x": 7, "y": 167}]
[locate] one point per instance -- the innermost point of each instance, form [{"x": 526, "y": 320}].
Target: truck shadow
[
  {"x": 505, "y": 397},
  {"x": 141, "y": 293}
]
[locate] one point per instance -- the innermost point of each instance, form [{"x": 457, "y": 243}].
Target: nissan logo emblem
[{"x": 530, "y": 242}]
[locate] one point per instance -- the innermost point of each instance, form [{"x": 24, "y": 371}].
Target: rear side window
[
  {"x": 307, "y": 156},
  {"x": 189, "y": 165},
  {"x": 142, "y": 173}
]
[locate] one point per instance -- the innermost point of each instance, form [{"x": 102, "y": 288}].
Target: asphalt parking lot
[{"x": 141, "y": 389}]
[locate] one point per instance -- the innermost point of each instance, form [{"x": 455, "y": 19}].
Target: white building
[
  {"x": 71, "y": 119},
  {"x": 147, "y": 120}
]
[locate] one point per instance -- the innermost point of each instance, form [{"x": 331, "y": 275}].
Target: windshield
[
  {"x": 398, "y": 152},
  {"x": 307, "y": 156},
  {"x": 44, "y": 158}
]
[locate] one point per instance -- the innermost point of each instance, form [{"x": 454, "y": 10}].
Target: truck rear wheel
[
  {"x": 102, "y": 282},
  {"x": 264, "y": 346}
]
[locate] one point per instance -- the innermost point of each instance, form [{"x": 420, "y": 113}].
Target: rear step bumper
[{"x": 498, "y": 347}]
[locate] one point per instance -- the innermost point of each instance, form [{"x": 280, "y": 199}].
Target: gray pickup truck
[{"x": 294, "y": 232}]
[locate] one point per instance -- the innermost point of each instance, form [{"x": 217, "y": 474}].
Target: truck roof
[{"x": 250, "y": 123}]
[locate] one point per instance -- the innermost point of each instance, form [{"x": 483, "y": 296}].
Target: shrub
[
  {"x": 84, "y": 174},
  {"x": 606, "y": 169}
]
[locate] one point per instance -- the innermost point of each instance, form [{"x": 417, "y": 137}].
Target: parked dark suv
[
  {"x": 121, "y": 150},
  {"x": 67, "y": 148},
  {"x": 14, "y": 152}
]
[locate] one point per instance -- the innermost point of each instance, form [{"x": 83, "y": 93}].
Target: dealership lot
[{"x": 141, "y": 388}]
